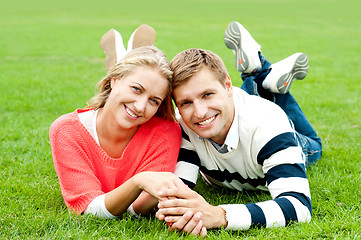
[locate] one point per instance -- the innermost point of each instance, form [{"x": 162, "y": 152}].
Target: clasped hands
[
  {"x": 186, "y": 211},
  {"x": 182, "y": 208}
]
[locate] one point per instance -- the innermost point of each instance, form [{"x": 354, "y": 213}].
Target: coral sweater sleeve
[{"x": 85, "y": 171}]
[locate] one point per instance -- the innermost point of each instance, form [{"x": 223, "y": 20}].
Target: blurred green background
[{"x": 50, "y": 61}]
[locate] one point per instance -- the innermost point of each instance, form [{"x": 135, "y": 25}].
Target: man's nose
[{"x": 200, "y": 109}]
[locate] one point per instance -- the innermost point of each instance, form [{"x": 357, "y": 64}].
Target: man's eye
[
  {"x": 185, "y": 103},
  {"x": 155, "y": 102}
]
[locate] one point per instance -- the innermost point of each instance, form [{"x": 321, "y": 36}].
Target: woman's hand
[{"x": 156, "y": 182}]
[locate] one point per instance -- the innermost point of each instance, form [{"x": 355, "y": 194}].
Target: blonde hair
[
  {"x": 147, "y": 56},
  {"x": 189, "y": 62}
]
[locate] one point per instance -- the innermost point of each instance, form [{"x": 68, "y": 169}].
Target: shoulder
[
  {"x": 66, "y": 123},
  {"x": 255, "y": 110}
]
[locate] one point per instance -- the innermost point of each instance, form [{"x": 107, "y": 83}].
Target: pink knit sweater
[{"x": 85, "y": 171}]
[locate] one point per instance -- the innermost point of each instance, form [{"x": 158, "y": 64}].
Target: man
[{"x": 240, "y": 141}]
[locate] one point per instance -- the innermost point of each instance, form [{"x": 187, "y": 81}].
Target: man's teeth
[
  {"x": 130, "y": 113},
  {"x": 206, "y": 122}
]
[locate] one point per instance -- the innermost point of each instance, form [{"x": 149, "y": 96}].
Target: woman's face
[{"x": 135, "y": 98}]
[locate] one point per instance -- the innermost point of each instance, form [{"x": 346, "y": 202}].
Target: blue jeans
[{"x": 306, "y": 135}]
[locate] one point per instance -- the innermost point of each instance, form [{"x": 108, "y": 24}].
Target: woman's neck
[{"x": 112, "y": 137}]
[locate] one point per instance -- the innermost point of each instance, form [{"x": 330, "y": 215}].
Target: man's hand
[{"x": 186, "y": 210}]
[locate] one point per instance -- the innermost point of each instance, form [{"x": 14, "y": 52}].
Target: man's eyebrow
[
  {"x": 182, "y": 100},
  {"x": 186, "y": 99}
]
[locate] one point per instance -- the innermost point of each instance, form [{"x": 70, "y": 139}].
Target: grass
[{"x": 50, "y": 60}]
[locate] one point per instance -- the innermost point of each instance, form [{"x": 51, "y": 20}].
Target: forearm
[
  {"x": 118, "y": 200},
  {"x": 145, "y": 204},
  {"x": 273, "y": 213}
]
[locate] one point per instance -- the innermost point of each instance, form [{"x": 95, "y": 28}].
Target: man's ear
[{"x": 228, "y": 82}]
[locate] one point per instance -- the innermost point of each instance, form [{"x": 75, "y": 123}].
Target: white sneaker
[
  {"x": 112, "y": 44},
  {"x": 144, "y": 35},
  {"x": 246, "y": 49},
  {"x": 284, "y": 72}
]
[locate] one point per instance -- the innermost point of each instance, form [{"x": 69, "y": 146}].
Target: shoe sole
[
  {"x": 298, "y": 71},
  {"x": 143, "y": 36},
  {"x": 232, "y": 39},
  {"x": 107, "y": 43}
]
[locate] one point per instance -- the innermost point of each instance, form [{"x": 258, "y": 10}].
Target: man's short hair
[{"x": 189, "y": 62}]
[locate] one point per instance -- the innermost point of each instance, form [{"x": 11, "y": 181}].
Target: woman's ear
[{"x": 112, "y": 82}]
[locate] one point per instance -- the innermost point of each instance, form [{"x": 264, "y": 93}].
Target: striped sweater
[{"x": 265, "y": 156}]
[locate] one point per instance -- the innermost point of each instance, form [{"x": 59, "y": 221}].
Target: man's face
[{"x": 205, "y": 105}]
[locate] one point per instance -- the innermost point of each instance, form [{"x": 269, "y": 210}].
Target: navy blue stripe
[
  {"x": 276, "y": 144},
  {"x": 288, "y": 210},
  {"x": 190, "y": 184},
  {"x": 225, "y": 175},
  {"x": 286, "y": 171},
  {"x": 306, "y": 201},
  {"x": 257, "y": 215},
  {"x": 184, "y": 135},
  {"x": 188, "y": 156}
]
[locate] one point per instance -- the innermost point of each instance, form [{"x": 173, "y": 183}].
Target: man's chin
[{"x": 204, "y": 135}]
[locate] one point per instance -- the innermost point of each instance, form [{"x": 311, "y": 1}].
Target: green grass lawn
[{"x": 50, "y": 60}]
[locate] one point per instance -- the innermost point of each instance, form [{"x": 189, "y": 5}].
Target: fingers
[
  {"x": 198, "y": 228},
  {"x": 203, "y": 232},
  {"x": 190, "y": 223},
  {"x": 172, "y": 219},
  {"x": 194, "y": 225},
  {"x": 181, "y": 223},
  {"x": 183, "y": 192},
  {"x": 160, "y": 216},
  {"x": 175, "y": 211},
  {"x": 169, "y": 203}
]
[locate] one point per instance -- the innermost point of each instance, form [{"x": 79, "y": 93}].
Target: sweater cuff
[
  {"x": 238, "y": 217},
  {"x": 132, "y": 212},
  {"x": 97, "y": 208}
]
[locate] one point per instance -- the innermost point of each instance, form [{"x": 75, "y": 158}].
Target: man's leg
[{"x": 254, "y": 77}]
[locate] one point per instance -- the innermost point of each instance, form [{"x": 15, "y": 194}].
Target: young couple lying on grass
[{"x": 129, "y": 151}]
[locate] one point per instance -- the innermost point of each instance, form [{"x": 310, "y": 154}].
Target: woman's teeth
[{"x": 130, "y": 113}]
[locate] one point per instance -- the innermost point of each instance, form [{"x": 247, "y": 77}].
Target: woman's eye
[{"x": 136, "y": 89}]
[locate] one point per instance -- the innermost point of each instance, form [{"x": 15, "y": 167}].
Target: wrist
[
  {"x": 221, "y": 218},
  {"x": 137, "y": 182}
]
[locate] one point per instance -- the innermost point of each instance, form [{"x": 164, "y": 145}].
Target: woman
[{"x": 124, "y": 142}]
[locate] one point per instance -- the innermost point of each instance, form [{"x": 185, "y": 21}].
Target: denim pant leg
[{"x": 306, "y": 135}]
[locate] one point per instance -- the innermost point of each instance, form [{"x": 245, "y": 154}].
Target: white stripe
[
  {"x": 303, "y": 214},
  {"x": 292, "y": 184},
  {"x": 187, "y": 171},
  {"x": 273, "y": 214},
  {"x": 238, "y": 216},
  {"x": 290, "y": 155},
  {"x": 187, "y": 144}
]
